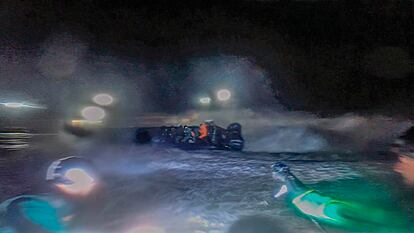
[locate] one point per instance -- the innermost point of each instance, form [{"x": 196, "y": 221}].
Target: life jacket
[{"x": 203, "y": 131}]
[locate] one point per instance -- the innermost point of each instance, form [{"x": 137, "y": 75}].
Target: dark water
[{"x": 149, "y": 189}]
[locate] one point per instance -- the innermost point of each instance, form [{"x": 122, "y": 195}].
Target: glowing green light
[
  {"x": 348, "y": 215},
  {"x": 313, "y": 205},
  {"x": 43, "y": 214}
]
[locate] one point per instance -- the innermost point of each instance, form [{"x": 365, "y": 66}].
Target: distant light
[
  {"x": 13, "y": 105},
  {"x": 205, "y": 100},
  {"x": 103, "y": 99},
  {"x": 21, "y": 105},
  {"x": 223, "y": 95},
  {"x": 93, "y": 113},
  {"x": 80, "y": 123}
]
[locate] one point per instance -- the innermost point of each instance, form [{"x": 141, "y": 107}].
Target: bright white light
[
  {"x": 21, "y": 105},
  {"x": 79, "y": 123},
  {"x": 223, "y": 95},
  {"x": 13, "y": 105},
  {"x": 103, "y": 99},
  {"x": 81, "y": 182},
  {"x": 282, "y": 191},
  {"x": 314, "y": 209},
  {"x": 147, "y": 229},
  {"x": 205, "y": 100},
  {"x": 93, "y": 113}
]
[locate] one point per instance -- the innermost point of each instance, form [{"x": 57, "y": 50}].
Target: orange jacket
[{"x": 203, "y": 131}]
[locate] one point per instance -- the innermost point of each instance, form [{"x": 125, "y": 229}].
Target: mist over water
[
  {"x": 64, "y": 73},
  {"x": 283, "y": 131},
  {"x": 248, "y": 82}
]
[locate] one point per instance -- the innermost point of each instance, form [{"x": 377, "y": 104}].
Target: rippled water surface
[{"x": 149, "y": 189}]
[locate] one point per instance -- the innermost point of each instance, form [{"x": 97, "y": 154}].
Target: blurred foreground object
[
  {"x": 404, "y": 148},
  {"x": 405, "y": 167},
  {"x": 72, "y": 176},
  {"x": 355, "y": 217},
  {"x": 14, "y": 138},
  {"x": 17, "y": 105},
  {"x": 72, "y": 179}
]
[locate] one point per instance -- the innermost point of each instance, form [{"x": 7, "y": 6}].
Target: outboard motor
[{"x": 234, "y": 137}]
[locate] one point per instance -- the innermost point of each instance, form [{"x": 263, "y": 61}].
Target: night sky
[{"x": 322, "y": 56}]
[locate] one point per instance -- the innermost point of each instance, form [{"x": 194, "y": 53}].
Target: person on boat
[
  {"x": 203, "y": 131},
  {"x": 189, "y": 135}
]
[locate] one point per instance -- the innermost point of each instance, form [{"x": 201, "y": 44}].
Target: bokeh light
[
  {"x": 205, "y": 100},
  {"x": 81, "y": 182},
  {"x": 223, "y": 95},
  {"x": 93, "y": 113},
  {"x": 103, "y": 99}
]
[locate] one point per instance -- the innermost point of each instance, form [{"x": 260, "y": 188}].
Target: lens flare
[
  {"x": 18, "y": 105},
  {"x": 93, "y": 113},
  {"x": 103, "y": 99},
  {"x": 223, "y": 95},
  {"x": 81, "y": 183},
  {"x": 13, "y": 105}
]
